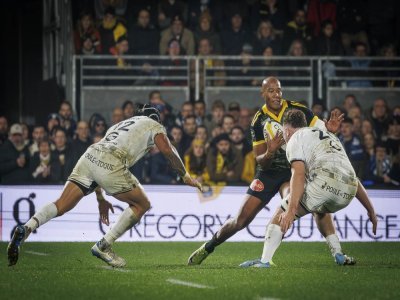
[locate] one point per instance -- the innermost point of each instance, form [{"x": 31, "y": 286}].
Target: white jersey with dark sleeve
[
  {"x": 132, "y": 138},
  {"x": 320, "y": 151}
]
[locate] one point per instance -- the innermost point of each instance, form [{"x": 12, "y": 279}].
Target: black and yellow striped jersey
[{"x": 263, "y": 116}]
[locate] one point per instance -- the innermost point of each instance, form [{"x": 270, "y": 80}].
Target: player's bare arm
[
  {"x": 362, "y": 196},
  {"x": 169, "y": 151},
  {"x": 104, "y": 206},
  {"x": 296, "y": 193},
  {"x": 264, "y": 153}
]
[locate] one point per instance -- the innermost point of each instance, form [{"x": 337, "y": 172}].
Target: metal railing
[{"x": 231, "y": 77}]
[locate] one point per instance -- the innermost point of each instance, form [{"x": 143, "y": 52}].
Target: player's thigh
[
  {"x": 136, "y": 198},
  {"x": 70, "y": 196}
]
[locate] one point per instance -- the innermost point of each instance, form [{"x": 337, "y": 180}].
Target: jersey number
[
  {"x": 321, "y": 134},
  {"x": 122, "y": 127}
]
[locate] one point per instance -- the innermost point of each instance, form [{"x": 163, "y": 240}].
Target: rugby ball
[{"x": 271, "y": 128}]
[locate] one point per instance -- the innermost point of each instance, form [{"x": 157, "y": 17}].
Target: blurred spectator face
[
  {"x": 186, "y": 110},
  {"x": 38, "y": 134},
  {"x": 82, "y": 130},
  {"x": 65, "y": 111},
  {"x": 123, "y": 47},
  {"x": 357, "y": 125},
  {"x": 317, "y": 110},
  {"x": 201, "y": 133},
  {"x": 227, "y": 123},
  {"x": 174, "y": 49},
  {"x": 17, "y": 139},
  {"x": 44, "y": 148},
  {"x": 205, "y": 24},
  {"x": 328, "y": 30},
  {"x": 176, "y": 134},
  {"x": 189, "y": 126},
  {"x": 390, "y": 51},
  {"x": 396, "y": 111},
  {"x": 117, "y": 115},
  {"x": 143, "y": 18},
  {"x": 349, "y": 102},
  {"x": 108, "y": 18},
  {"x": 360, "y": 50},
  {"x": 379, "y": 109},
  {"x": 128, "y": 111},
  {"x": 394, "y": 130},
  {"x": 346, "y": 130},
  {"x": 369, "y": 141},
  {"x": 204, "y": 47},
  {"x": 3, "y": 125},
  {"x": 300, "y": 18},
  {"x": 297, "y": 49},
  {"x": 366, "y": 127},
  {"x": 223, "y": 147},
  {"x": 88, "y": 44},
  {"x": 380, "y": 153},
  {"x": 236, "y": 136},
  {"x": 265, "y": 29},
  {"x": 236, "y": 22},
  {"x": 177, "y": 27},
  {"x": 245, "y": 118},
  {"x": 25, "y": 131},
  {"x": 155, "y": 98},
  {"x": 198, "y": 149},
  {"x": 218, "y": 114},
  {"x": 100, "y": 127},
  {"x": 86, "y": 22},
  {"x": 354, "y": 112},
  {"x": 60, "y": 139},
  {"x": 199, "y": 109},
  {"x": 216, "y": 131},
  {"x": 51, "y": 123},
  {"x": 268, "y": 52}
]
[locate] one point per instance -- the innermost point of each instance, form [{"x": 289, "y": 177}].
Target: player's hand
[
  {"x": 335, "y": 121},
  {"x": 276, "y": 142},
  {"x": 104, "y": 207},
  {"x": 374, "y": 221},
  {"x": 286, "y": 220},
  {"x": 187, "y": 179}
]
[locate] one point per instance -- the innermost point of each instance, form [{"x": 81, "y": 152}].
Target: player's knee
[{"x": 240, "y": 223}]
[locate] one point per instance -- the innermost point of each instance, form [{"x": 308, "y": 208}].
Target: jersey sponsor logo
[
  {"x": 99, "y": 163},
  {"x": 257, "y": 185},
  {"x": 336, "y": 191}
]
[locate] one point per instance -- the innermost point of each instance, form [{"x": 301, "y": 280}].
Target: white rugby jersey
[
  {"x": 131, "y": 139},
  {"x": 321, "y": 152}
]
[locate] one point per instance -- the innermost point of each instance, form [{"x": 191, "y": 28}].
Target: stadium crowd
[{"x": 214, "y": 142}]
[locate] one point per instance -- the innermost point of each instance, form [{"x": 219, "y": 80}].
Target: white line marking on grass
[
  {"x": 266, "y": 298},
  {"x": 37, "y": 253},
  {"x": 115, "y": 269},
  {"x": 191, "y": 284}
]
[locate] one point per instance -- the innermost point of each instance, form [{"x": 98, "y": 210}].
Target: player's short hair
[
  {"x": 295, "y": 118},
  {"x": 149, "y": 111}
]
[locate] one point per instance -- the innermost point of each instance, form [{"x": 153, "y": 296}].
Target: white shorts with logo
[
  {"x": 327, "y": 193},
  {"x": 101, "y": 167}
]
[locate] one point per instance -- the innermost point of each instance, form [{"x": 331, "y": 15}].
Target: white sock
[
  {"x": 125, "y": 222},
  {"x": 334, "y": 244},
  {"x": 273, "y": 238},
  {"x": 45, "y": 214}
]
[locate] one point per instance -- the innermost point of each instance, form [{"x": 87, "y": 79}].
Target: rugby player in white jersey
[
  {"x": 322, "y": 181},
  {"x": 105, "y": 164}
]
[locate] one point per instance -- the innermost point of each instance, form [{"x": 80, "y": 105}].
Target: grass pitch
[{"x": 159, "y": 271}]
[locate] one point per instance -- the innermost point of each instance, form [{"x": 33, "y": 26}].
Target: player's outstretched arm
[
  {"x": 169, "y": 151},
  {"x": 296, "y": 193},
  {"x": 362, "y": 196},
  {"x": 335, "y": 120}
]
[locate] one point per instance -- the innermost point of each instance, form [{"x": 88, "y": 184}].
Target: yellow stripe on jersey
[
  {"x": 313, "y": 121},
  {"x": 298, "y": 104},
  {"x": 258, "y": 143},
  {"x": 269, "y": 128},
  {"x": 281, "y": 112},
  {"x": 255, "y": 118}
]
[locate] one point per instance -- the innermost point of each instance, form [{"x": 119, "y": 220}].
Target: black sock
[{"x": 211, "y": 244}]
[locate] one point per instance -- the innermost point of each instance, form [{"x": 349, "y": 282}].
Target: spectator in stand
[
  {"x": 243, "y": 68},
  {"x": 393, "y": 137},
  {"x": 352, "y": 23},
  {"x": 216, "y": 131},
  {"x": 389, "y": 51},
  {"x": 297, "y": 29},
  {"x": 174, "y": 66},
  {"x": 202, "y": 134},
  {"x": 380, "y": 165},
  {"x": 224, "y": 162},
  {"x": 14, "y": 158},
  {"x": 199, "y": 110},
  {"x": 360, "y": 66},
  {"x": 117, "y": 115},
  {"x": 353, "y": 147},
  {"x": 349, "y": 101},
  {"x": 62, "y": 151},
  {"x": 327, "y": 43},
  {"x": 187, "y": 109},
  {"x": 3, "y": 130},
  {"x": 235, "y": 37},
  {"x": 189, "y": 130},
  {"x": 45, "y": 165},
  {"x": 318, "y": 12},
  {"x": 143, "y": 37},
  {"x": 195, "y": 161},
  {"x": 205, "y": 31},
  {"x": 38, "y": 134},
  {"x": 380, "y": 118},
  {"x": 269, "y": 10},
  {"x": 268, "y": 65},
  {"x": 88, "y": 46},
  {"x": 120, "y": 50},
  {"x": 217, "y": 113},
  {"x": 25, "y": 134},
  {"x": 167, "y": 10},
  {"x": 369, "y": 145},
  {"x": 54, "y": 120},
  {"x": 97, "y": 126},
  {"x": 239, "y": 141},
  {"x": 67, "y": 120},
  {"x": 166, "y": 115},
  {"x": 245, "y": 118},
  {"x": 266, "y": 37},
  {"x": 176, "y": 132},
  {"x": 367, "y": 127},
  {"x": 81, "y": 141},
  {"x": 319, "y": 110},
  {"x": 128, "y": 109},
  {"x": 234, "y": 111},
  {"x": 297, "y": 49},
  {"x": 357, "y": 121},
  {"x": 110, "y": 30},
  {"x": 228, "y": 122},
  {"x": 85, "y": 30},
  {"x": 178, "y": 32}
]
